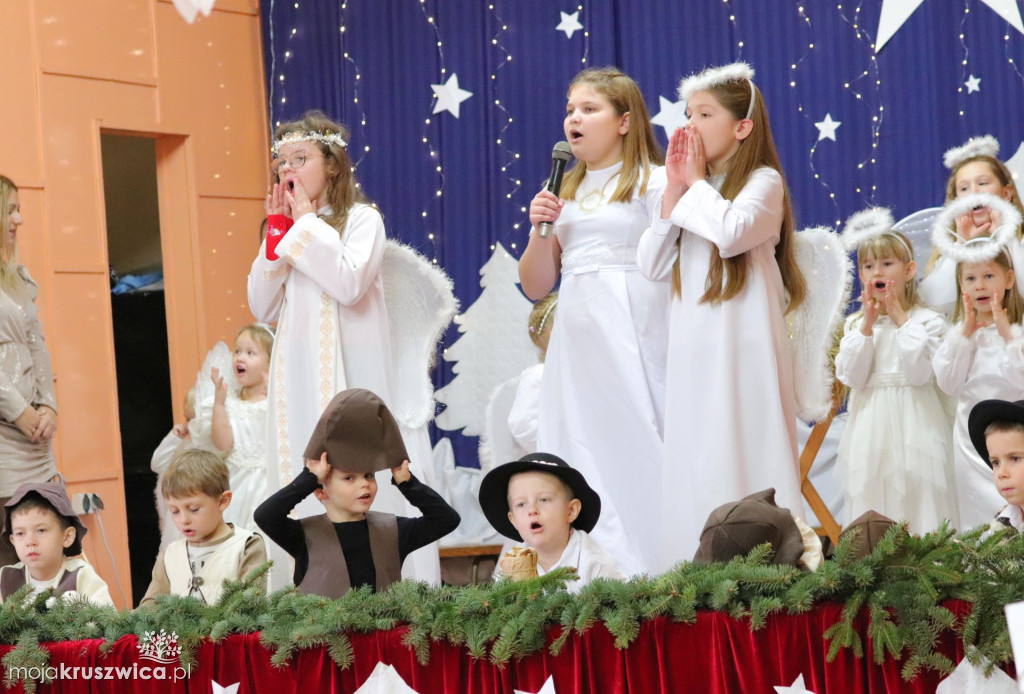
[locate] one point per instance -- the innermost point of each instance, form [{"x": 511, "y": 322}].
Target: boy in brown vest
[
  {"x": 47, "y": 535},
  {"x": 350, "y": 545}
]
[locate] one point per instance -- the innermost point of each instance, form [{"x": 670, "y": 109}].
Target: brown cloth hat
[
  {"x": 55, "y": 495},
  {"x": 873, "y": 525},
  {"x": 359, "y": 434},
  {"x": 735, "y": 528}
]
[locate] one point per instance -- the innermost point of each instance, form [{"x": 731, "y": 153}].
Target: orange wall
[{"x": 72, "y": 69}]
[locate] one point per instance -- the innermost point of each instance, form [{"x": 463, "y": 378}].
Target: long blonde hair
[
  {"x": 343, "y": 190},
  {"x": 727, "y": 277},
  {"x": 1011, "y": 300},
  {"x": 640, "y": 151},
  {"x": 10, "y": 280}
]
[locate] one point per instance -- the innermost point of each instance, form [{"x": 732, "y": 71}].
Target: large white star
[
  {"x": 449, "y": 96},
  {"x": 827, "y": 128},
  {"x": 796, "y": 688},
  {"x": 671, "y": 116},
  {"x": 896, "y": 12},
  {"x": 548, "y": 688},
  {"x": 973, "y": 84},
  {"x": 570, "y": 23},
  {"x": 230, "y": 689}
]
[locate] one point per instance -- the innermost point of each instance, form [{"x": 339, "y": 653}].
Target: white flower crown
[
  {"x": 322, "y": 138},
  {"x": 714, "y": 76},
  {"x": 982, "y": 248},
  {"x": 985, "y": 145}
]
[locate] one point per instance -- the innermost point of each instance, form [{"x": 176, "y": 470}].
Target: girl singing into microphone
[{"x": 601, "y": 401}]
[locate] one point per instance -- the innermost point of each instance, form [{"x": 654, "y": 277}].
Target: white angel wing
[
  {"x": 220, "y": 358},
  {"x": 497, "y": 445},
  {"x": 828, "y": 271},
  {"x": 420, "y": 307},
  {"x": 917, "y": 227}
]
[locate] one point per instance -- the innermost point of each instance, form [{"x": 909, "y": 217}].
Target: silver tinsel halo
[{"x": 983, "y": 248}]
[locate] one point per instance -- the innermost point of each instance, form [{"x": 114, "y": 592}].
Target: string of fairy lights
[
  {"x": 429, "y": 146},
  {"x": 509, "y": 157},
  {"x": 727, "y": 4},
  {"x": 964, "y": 59}
]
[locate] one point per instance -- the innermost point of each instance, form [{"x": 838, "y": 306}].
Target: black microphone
[{"x": 561, "y": 154}]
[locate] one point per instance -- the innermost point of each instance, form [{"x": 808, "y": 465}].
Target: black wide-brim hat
[
  {"x": 494, "y": 492},
  {"x": 986, "y": 412}
]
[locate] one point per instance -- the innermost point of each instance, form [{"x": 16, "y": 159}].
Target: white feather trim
[
  {"x": 985, "y": 145},
  {"x": 866, "y": 224},
  {"x": 714, "y": 76},
  {"x": 813, "y": 325},
  {"x": 983, "y": 248}
]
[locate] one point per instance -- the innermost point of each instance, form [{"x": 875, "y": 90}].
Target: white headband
[
  {"x": 323, "y": 138},
  {"x": 982, "y": 248},
  {"x": 713, "y": 76},
  {"x": 868, "y": 224},
  {"x": 984, "y": 146}
]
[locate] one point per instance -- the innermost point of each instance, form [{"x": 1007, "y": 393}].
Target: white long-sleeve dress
[
  {"x": 730, "y": 409},
  {"x": 326, "y": 294},
  {"x": 601, "y": 400},
  {"x": 981, "y": 367},
  {"x": 896, "y": 454}
]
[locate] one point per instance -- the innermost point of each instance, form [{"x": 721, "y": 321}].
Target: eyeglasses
[{"x": 296, "y": 161}]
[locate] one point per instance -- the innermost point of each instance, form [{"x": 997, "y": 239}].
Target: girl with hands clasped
[
  {"x": 895, "y": 455},
  {"x": 723, "y": 235},
  {"x": 982, "y": 358},
  {"x": 601, "y": 398}
]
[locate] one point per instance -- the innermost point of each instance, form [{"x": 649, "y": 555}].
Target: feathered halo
[
  {"x": 985, "y": 145},
  {"x": 866, "y": 224},
  {"x": 713, "y": 76},
  {"x": 982, "y": 248}
]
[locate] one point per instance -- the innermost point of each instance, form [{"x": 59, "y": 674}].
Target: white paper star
[
  {"x": 548, "y": 688},
  {"x": 570, "y": 23},
  {"x": 230, "y": 689},
  {"x": 973, "y": 84},
  {"x": 827, "y": 128},
  {"x": 796, "y": 688},
  {"x": 671, "y": 116},
  {"x": 895, "y": 12},
  {"x": 385, "y": 680},
  {"x": 449, "y": 96}
]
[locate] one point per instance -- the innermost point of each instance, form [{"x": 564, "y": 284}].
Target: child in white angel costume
[{"x": 353, "y": 311}]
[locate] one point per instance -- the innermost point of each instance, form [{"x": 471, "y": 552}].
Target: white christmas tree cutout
[{"x": 495, "y": 345}]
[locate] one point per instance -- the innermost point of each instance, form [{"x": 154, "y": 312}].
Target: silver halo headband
[
  {"x": 714, "y": 76},
  {"x": 977, "y": 250},
  {"x": 868, "y": 224},
  {"x": 322, "y": 138},
  {"x": 983, "y": 146},
  {"x": 544, "y": 318}
]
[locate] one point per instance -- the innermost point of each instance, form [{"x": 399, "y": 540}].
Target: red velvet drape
[{"x": 716, "y": 655}]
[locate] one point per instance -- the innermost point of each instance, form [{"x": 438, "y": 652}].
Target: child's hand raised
[
  {"x": 400, "y": 473},
  {"x": 675, "y": 159},
  {"x": 321, "y": 468},
  {"x": 220, "y": 386},
  {"x": 298, "y": 200},
  {"x": 696, "y": 161},
  {"x": 970, "y": 317},
  {"x": 545, "y": 207},
  {"x": 870, "y": 306},
  {"x": 1000, "y": 319},
  {"x": 275, "y": 202},
  {"x": 894, "y": 306}
]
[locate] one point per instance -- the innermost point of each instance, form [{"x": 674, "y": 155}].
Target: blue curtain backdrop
[{"x": 371, "y": 64}]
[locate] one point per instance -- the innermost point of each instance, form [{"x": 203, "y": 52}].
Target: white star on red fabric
[
  {"x": 230, "y": 689},
  {"x": 548, "y": 688},
  {"x": 796, "y": 688}
]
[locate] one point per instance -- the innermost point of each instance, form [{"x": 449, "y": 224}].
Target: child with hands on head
[
  {"x": 349, "y": 545},
  {"x": 543, "y": 502},
  {"x": 981, "y": 358},
  {"x": 211, "y": 550},
  {"x": 47, "y": 535},
  {"x": 895, "y": 455},
  {"x": 601, "y": 398},
  {"x": 724, "y": 235}
]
